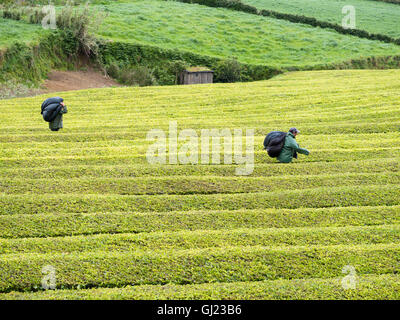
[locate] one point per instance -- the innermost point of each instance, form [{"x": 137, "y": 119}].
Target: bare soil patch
[{"x": 76, "y": 80}]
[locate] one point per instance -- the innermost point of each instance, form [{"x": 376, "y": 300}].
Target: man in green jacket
[{"x": 290, "y": 148}]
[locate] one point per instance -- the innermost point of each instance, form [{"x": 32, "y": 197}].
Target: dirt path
[{"x": 76, "y": 80}]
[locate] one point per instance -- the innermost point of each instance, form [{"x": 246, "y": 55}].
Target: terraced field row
[
  {"x": 260, "y": 170},
  {"x": 228, "y": 264},
  {"x": 66, "y": 224},
  {"x": 140, "y": 146},
  {"x": 86, "y": 202},
  {"x": 191, "y": 185},
  {"x": 369, "y": 287},
  {"x": 186, "y": 239}
]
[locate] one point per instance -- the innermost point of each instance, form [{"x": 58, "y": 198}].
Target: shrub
[
  {"x": 12, "y": 14},
  {"x": 79, "y": 22},
  {"x": 12, "y": 89},
  {"x": 113, "y": 70},
  {"x": 228, "y": 71},
  {"x": 176, "y": 67},
  {"x": 229, "y": 4},
  {"x": 35, "y": 15},
  {"x": 138, "y": 76}
]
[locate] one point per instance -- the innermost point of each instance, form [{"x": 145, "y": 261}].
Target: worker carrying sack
[
  {"x": 52, "y": 111},
  {"x": 274, "y": 142}
]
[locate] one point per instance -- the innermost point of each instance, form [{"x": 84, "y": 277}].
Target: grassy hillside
[
  {"x": 154, "y": 39},
  {"x": 224, "y": 33},
  {"x": 86, "y": 201},
  {"x": 373, "y": 16},
  {"x": 12, "y": 31}
]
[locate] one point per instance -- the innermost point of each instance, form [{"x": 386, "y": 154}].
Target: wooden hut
[{"x": 196, "y": 75}]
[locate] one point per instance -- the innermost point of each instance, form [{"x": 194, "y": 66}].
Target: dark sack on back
[
  {"x": 274, "y": 142},
  {"x": 51, "y": 108}
]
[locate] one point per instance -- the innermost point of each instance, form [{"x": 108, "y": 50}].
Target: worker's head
[{"x": 294, "y": 131}]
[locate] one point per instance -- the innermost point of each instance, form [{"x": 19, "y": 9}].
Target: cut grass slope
[
  {"x": 85, "y": 201},
  {"x": 12, "y": 31}
]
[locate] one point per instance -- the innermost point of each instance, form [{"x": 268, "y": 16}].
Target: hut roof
[{"x": 198, "y": 69}]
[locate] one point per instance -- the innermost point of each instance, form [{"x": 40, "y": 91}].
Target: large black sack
[
  {"x": 50, "y": 101},
  {"x": 51, "y": 108},
  {"x": 51, "y": 112},
  {"x": 274, "y": 142}
]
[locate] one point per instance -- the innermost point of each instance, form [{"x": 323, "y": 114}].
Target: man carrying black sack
[
  {"x": 283, "y": 146},
  {"x": 291, "y": 147},
  {"x": 52, "y": 111}
]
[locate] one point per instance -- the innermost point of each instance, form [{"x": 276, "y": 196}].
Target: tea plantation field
[{"x": 86, "y": 201}]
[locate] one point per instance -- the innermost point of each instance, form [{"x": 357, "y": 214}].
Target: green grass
[
  {"x": 224, "y": 33},
  {"x": 86, "y": 201},
  {"x": 373, "y": 16},
  {"x": 12, "y": 31}
]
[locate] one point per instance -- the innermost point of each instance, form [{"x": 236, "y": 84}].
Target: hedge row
[
  {"x": 67, "y": 224},
  {"x": 157, "y": 241},
  {"x": 260, "y": 170},
  {"x": 229, "y": 4},
  {"x": 140, "y": 146},
  {"x": 133, "y": 54},
  {"x": 314, "y": 118},
  {"x": 308, "y": 198},
  {"x": 239, "y": 6},
  {"x": 390, "y": 1},
  {"x": 368, "y": 287},
  {"x": 137, "y": 142},
  {"x": 129, "y": 159},
  {"x": 83, "y": 133},
  {"x": 229, "y": 264},
  {"x": 184, "y": 185},
  {"x": 79, "y": 128}
]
